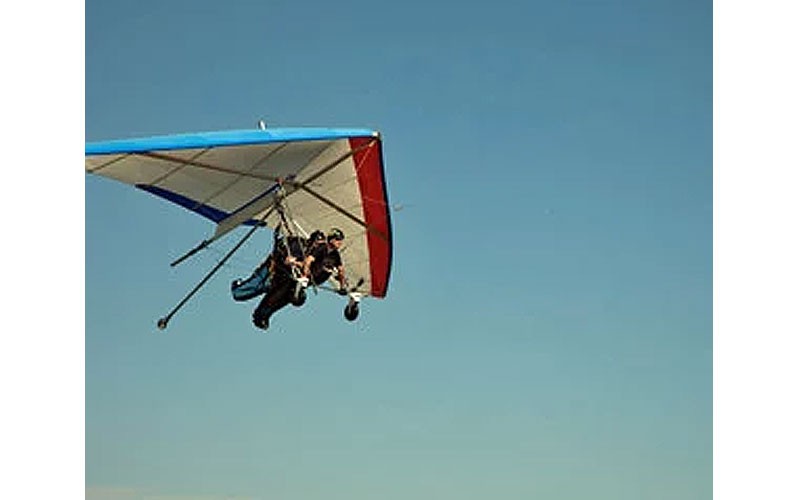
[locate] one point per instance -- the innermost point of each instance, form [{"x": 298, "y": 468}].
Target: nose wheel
[{"x": 351, "y": 311}]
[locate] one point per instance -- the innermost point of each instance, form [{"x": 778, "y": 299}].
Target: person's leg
[
  {"x": 276, "y": 299},
  {"x": 262, "y": 313},
  {"x": 255, "y": 285}
]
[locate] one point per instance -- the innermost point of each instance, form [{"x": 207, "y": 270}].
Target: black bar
[
  {"x": 191, "y": 252},
  {"x": 162, "y": 322}
]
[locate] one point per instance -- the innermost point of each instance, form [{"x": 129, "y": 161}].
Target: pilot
[{"x": 323, "y": 260}]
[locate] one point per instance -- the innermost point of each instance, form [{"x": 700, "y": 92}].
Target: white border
[
  {"x": 756, "y": 250},
  {"x": 42, "y": 354}
]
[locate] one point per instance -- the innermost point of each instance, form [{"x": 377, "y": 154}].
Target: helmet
[
  {"x": 316, "y": 236},
  {"x": 335, "y": 234}
]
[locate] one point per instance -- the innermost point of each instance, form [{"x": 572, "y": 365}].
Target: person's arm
[
  {"x": 292, "y": 251},
  {"x": 307, "y": 265},
  {"x": 341, "y": 279}
]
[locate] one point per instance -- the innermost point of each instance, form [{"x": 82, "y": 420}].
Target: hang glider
[{"x": 322, "y": 177}]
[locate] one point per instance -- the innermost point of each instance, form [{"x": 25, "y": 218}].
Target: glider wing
[{"x": 331, "y": 178}]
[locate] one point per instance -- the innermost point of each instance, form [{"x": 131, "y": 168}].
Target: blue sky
[{"x": 548, "y": 327}]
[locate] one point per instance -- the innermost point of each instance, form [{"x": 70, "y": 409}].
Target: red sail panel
[{"x": 372, "y": 184}]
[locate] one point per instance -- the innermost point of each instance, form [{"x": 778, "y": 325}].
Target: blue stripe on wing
[{"x": 206, "y": 211}]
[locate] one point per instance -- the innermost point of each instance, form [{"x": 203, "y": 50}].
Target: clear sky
[{"x": 548, "y": 327}]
